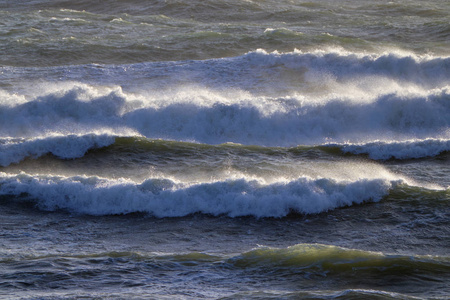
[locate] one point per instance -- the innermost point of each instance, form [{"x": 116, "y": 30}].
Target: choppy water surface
[{"x": 224, "y": 149}]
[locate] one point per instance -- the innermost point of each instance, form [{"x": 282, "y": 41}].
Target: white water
[
  {"x": 66, "y": 147},
  {"x": 392, "y": 105},
  {"x": 400, "y": 150},
  {"x": 166, "y": 198}
]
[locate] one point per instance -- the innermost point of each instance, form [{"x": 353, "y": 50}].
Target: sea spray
[{"x": 218, "y": 118}]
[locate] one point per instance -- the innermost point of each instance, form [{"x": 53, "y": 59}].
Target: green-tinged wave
[
  {"x": 14, "y": 151},
  {"x": 376, "y": 150},
  {"x": 328, "y": 260},
  {"x": 304, "y": 260},
  {"x": 321, "y": 259}
]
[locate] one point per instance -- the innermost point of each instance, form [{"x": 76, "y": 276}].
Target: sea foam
[
  {"x": 167, "y": 198},
  {"x": 399, "y": 150},
  {"x": 364, "y": 102},
  {"x": 209, "y": 116},
  {"x": 257, "y": 71},
  {"x": 66, "y": 147}
]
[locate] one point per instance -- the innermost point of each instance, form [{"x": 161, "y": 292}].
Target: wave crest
[
  {"x": 66, "y": 147},
  {"x": 166, "y": 198},
  {"x": 207, "y": 116}
]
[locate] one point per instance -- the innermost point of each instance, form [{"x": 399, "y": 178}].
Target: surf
[{"x": 165, "y": 197}]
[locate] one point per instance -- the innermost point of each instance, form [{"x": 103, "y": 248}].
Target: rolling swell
[
  {"x": 328, "y": 260},
  {"x": 324, "y": 260},
  {"x": 345, "y": 272},
  {"x": 13, "y": 151},
  {"x": 377, "y": 150}
]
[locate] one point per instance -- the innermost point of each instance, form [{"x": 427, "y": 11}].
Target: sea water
[{"x": 224, "y": 149}]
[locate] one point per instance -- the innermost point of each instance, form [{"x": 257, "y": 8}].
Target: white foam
[
  {"x": 208, "y": 116},
  {"x": 257, "y": 71},
  {"x": 166, "y": 198},
  {"x": 268, "y": 99},
  {"x": 72, "y": 146},
  {"x": 400, "y": 150}
]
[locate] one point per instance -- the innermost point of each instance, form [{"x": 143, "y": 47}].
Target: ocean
[{"x": 232, "y": 149}]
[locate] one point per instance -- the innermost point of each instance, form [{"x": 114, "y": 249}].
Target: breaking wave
[{"x": 162, "y": 197}]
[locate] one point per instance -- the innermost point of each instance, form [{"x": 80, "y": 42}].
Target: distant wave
[
  {"x": 166, "y": 198},
  {"x": 259, "y": 70},
  {"x": 344, "y": 65}
]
